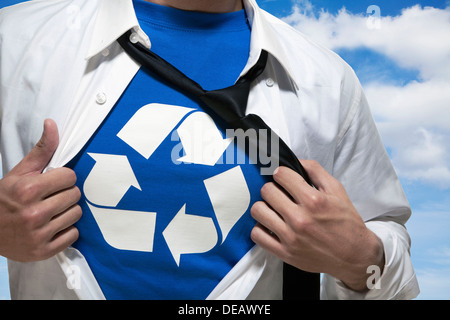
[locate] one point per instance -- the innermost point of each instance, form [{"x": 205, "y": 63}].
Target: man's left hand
[{"x": 315, "y": 229}]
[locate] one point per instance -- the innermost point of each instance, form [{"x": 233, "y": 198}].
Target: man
[{"x": 121, "y": 198}]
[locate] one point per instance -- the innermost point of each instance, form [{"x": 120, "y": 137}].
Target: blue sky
[
  {"x": 282, "y": 8},
  {"x": 402, "y": 60}
]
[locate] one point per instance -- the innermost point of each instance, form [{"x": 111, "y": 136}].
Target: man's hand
[
  {"x": 38, "y": 210},
  {"x": 316, "y": 230}
]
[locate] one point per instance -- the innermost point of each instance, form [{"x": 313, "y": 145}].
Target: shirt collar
[{"x": 115, "y": 17}]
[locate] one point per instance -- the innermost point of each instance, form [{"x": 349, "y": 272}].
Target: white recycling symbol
[{"x": 112, "y": 176}]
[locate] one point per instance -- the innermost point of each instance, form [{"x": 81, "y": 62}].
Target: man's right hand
[{"x": 38, "y": 210}]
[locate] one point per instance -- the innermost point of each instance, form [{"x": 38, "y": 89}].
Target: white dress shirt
[{"x": 60, "y": 60}]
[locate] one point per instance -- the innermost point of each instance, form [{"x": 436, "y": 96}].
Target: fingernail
[{"x": 276, "y": 171}]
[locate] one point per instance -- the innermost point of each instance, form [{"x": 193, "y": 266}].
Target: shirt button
[
  {"x": 134, "y": 38},
  {"x": 270, "y": 82},
  {"x": 105, "y": 52},
  {"x": 101, "y": 98}
]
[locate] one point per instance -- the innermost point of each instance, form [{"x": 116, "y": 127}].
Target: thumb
[
  {"x": 40, "y": 155},
  {"x": 321, "y": 179}
]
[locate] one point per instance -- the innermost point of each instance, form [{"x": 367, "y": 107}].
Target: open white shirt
[{"x": 60, "y": 60}]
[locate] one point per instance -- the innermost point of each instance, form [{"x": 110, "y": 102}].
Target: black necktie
[{"x": 230, "y": 105}]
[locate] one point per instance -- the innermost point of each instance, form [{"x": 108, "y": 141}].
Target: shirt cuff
[{"x": 398, "y": 281}]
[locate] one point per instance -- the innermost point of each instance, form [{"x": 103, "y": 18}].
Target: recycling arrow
[
  {"x": 109, "y": 179},
  {"x": 126, "y": 229},
  {"x": 189, "y": 234},
  {"x": 202, "y": 141},
  {"x": 112, "y": 176},
  {"x": 150, "y": 125},
  {"x": 229, "y": 197}
]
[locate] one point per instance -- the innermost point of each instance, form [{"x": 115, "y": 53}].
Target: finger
[
  {"x": 39, "y": 157},
  {"x": 293, "y": 183},
  {"x": 262, "y": 213},
  {"x": 64, "y": 220},
  {"x": 278, "y": 200},
  {"x": 321, "y": 179},
  {"x": 262, "y": 237},
  {"x": 62, "y": 240},
  {"x": 59, "y": 203},
  {"x": 55, "y": 181}
]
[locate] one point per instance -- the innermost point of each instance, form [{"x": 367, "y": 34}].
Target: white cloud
[
  {"x": 414, "y": 119},
  {"x": 430, "y": 251},
  {"x": 441, "y": 255},
  {"x": 418, "y": 38},
  {"x": 425, "y": 104},
  {"x": 433, "y": 283}
]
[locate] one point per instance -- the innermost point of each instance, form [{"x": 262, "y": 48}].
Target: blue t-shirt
[
  {"x": 166, "y": 196},
  {"x": 7, "y": 3}
]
